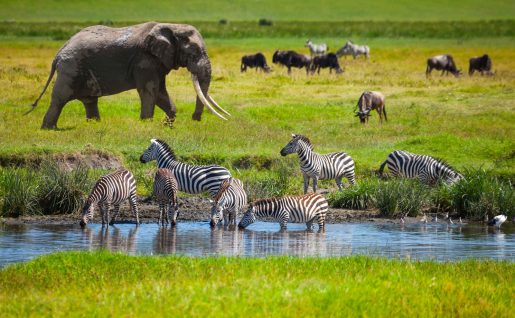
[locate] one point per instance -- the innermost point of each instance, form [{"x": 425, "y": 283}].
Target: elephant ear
[{"x": 162, "y": 43}]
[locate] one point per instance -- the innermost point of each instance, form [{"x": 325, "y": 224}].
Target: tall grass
[
  {"x": 400, "y": 197},
  {"x": 358, "y": 197},
  {"x": 18, "y": 192}
]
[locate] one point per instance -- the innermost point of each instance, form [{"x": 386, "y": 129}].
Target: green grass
[
  {"x": 106, "y": 284},
  {"x": 241, "y": 10}
]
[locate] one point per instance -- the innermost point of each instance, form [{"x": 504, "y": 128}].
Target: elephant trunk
[{"x": 201, "y": 77}]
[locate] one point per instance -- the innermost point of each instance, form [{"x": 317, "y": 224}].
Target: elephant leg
[
  {"x": 165, "y": 103},
  {"x": 91, "y": 105},
  {"x": 61, "y": 94},
  {"x": 148, "y": 92}
]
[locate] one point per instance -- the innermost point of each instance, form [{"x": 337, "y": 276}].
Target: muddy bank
[{"x": 198, "y": 209}]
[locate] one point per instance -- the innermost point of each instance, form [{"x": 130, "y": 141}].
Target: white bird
[
  {"x": 435, "y": 219},
  {"x": 449, "y": 220},
  {"x": 460, "y": 221},
  {"x": 402, "y": 220},
  {"x": 498, "y": 220},
  {"x": 424, "y": 219}
]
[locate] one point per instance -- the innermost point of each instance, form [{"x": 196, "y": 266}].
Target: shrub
[
  {"x": 265, "y": 22},
  {"x": 358, "y": 197},
  {"x": 19, "y": 190},
  {"x": 400, "y": 197},
  {"x": 62, "y": 191}
]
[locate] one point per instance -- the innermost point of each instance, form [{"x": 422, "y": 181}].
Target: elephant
[{"x": 100, "y": 61}]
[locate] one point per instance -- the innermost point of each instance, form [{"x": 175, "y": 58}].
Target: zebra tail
[{"x": 381, "y": 168}]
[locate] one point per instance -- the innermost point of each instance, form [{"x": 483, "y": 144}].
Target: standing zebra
[
  {"x": 427, "y": 169},
  {"x": 333, "y": 165},
  {"x": 165, "y": 192},
  {"x": 111, "y": 189},
  {"x": 316, "y": 49},
  {"x": 190, "y": 178},
  {"x": 228, "y": 201},
  {"x": 295, "y": 209}
]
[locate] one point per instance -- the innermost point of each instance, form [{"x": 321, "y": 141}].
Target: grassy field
[
  {"x": 241, "y": 10},
  {"x": 105, "y": 284}
]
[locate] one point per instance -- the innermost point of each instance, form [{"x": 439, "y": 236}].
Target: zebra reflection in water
[
  {"x": 293, "y": 243},
  {"x": 165, "y": 241},
  {"x": 112, "y": 239}
]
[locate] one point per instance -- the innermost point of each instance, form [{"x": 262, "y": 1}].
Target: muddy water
[{"x": 411, "y": 241}]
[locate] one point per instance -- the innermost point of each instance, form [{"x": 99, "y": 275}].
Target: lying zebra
[
  {"x": 228, "y": 201},
  {"x": 111, "y": 189},
  {"x": 427, "y": 169},
  {"x": 306, "y": 208},
  {"x": 165, "y": 192},
  {"x": 335, "y": 165}
]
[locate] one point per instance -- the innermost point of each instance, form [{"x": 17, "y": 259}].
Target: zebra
[
  {"x": 316, "y": 49},
  {"x": 427, "y": 169},
  {"x": 305, "y": 208},
  {"x": 333, "y": 165},
  {"x": 111, "y": 189},
  {"x": 231, "y": 197},
  {"x": 165, "y": 192},
  {"x": 190, "y": 178},
  {"x": 353, "y": 49}
]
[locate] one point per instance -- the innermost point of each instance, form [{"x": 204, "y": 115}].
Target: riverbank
[{"x": 103, "y": 283}]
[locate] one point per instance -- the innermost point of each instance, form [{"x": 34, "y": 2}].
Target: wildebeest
[
  {"x": 316, "y": 49},
  {"x": 353, "y": 49},
  {"x": 482, "y": 64},
  {"x": 291, "y": 59},
  {"x": 443, "y": 62},
  {"x": 368, "y": 101},
  {"x": 257, "y": 60},
  {"x": 329, "y": 60}
]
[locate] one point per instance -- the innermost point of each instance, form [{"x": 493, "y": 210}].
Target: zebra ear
[
  {"x": 211, "y": 201},
  {"x": 293, "y": 135}
]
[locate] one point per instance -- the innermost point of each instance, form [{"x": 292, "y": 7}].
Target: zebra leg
[
  {"x": 116, "y": 211},
  {"x": 107, "y": 208},
  {"x": 134, "y": 207},
  {"x": 173, "y": 220},
  {"x": 315, "y": 184},
  {"x": 321, "y": 224},
  {"x": 306, "y": 183},
  {"x": 339, "y": 183},
  {"x": 309, "y": 225},
  {"x": 101, "y": 208},
  {"x": 161, "y": 212},
  {"x": 350, "y": 177}
]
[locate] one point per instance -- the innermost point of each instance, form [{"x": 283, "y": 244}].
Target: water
[{"x": 411, "y": 241}]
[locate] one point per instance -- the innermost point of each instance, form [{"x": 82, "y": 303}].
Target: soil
[{"x": 196, "y": 209}]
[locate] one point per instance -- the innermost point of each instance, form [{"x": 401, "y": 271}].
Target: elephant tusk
[
  {"x": 216, "y": 105},
  {"x": 203, "y": 99}
]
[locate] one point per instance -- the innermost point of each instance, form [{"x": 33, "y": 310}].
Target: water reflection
[{"x": 413, "y": 241}]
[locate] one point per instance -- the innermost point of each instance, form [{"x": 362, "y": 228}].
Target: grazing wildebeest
[
  {"x": 257, "y": 60},
  {"x": 329, "y": 60},
  {"x": 368, "y": 101},
  {"x": 353, "y": 49},
  {"x": 316, "y": 49},
  {"x": 482, "y": 64},
  {"x": 444, "y": 63},
  {"x": 291, "y": 59}
]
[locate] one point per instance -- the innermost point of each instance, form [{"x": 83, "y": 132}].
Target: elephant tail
[{"x": 52, "y": 72}]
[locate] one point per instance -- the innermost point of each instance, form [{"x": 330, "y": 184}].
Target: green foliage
[
  {"x": 18, "y": 192},
  {"x": 102, "y": 283},
  {"x": 358, "y": 197},
  {"x": 275, "y": 182},
  {"x": 61, "y": 191},
  {"x": 397, "y": 197}
]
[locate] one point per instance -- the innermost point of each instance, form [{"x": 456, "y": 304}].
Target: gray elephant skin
[{"x": 100, "y": 61}]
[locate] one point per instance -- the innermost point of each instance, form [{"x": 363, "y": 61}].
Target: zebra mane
[
  {"x": 305, "y": 139},
  {"x": 223, "y": 187},
  {"x": 165, "y": 147},
  {"x": 445, "y": 164}
]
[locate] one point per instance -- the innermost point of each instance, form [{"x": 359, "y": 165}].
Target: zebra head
[
  {"x": 87, "y": 213},
  {"x": 295, "y": 144},
  {"x": 308, "y": 43},
  {"x": 248, "y": 218},
  {"x": 216, "y": 213},
  {"x": 156, "y": 149}
]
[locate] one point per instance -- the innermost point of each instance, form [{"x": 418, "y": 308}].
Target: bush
[
  {"x": 265, "y": 22},
  {"x": 400, "y": 197},
  {"x": 279, "y": 181},
  {"x": 62, "y": 191},
  {"x": 19, "y": 192},
  {"x": 358, "y": 197}
]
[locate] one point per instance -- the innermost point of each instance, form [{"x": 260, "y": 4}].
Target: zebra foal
[
  {"x": 190, "y": 178},
  {"x": 335, "y": 165},
  {"x": 165, "y": 193},
  {"x": 228, "y": 201},
  {"x": 427, "y": 169},
  {"x": 306, "y": 208},
  {"x": 111, "y": 189}
]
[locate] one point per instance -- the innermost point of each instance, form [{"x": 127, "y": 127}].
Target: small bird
[
  {"x": 447, "y": 215},
  {"x": 460, "y": 221},
  {"x": 435, "y": 219},
  {"x": 402, "y": 220},
  {"x": 449, "y": 220},
  {"x": 424, "y": 219},
  {"x": 498, "y": 220}
]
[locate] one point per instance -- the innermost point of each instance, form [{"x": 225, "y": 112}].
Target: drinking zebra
[
  {"x": 353, "y": 49},
  {"x": 111, "y": 189},
  {"x": 306, "y": 208},
  {"x": 316, "y": 49},
  {"x": 165, "y": 192},
  {"x": 190, "y": 178},
  {"x": 228, "y": 201},
  {"x": 427, "y": 169},
  {"x": 335, "y": 165}
]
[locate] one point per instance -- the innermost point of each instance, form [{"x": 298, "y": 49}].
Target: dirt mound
[{"x": 91, "y": 160}]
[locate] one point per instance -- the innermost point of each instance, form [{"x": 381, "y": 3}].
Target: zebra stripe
[
  {"x": 294, "y": 209},
  {"x": 427, "y": 169},
  {"x": 111, "y": 189},
  {"x": 228, "y": 201},
  {"x": 190, "y": 178},
  {"x": 165, "y": 192},
  {"x": 335, "y": 165}
]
